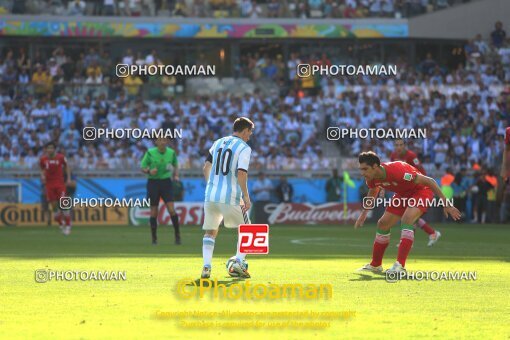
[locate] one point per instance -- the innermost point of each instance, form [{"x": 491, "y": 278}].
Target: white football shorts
[{"x": 232, "y": 215}]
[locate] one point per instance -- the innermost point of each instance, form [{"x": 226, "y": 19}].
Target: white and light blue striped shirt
[{"x": 229, "y": 154}]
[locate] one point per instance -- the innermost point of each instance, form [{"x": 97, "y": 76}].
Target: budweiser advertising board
[{"x": 306, "y": 213}]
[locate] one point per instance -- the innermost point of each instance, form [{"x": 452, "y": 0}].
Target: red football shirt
[
  {"x": 507, "y": 150},
  {"x": 53, "y": 168},
  {"x": 410, "y": 158},
  {"x": 399, "y": 178}
]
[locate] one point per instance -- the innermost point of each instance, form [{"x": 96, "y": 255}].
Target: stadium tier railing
[
  {"x": 191, "y": 20},
  {"x": 191, "y": 173},
  {"x": 152, "y": 91},
  {"x": 78, "y": 91}
]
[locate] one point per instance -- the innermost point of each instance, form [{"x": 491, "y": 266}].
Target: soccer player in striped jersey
[
  {"x": 226, "y": 193},
  {"x": 403, "y": 154}
]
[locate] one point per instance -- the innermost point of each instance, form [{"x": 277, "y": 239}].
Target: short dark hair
[
  {"x": 370, "y": 158},
  {"x": 51, "y": 143},
  {"x": 242, "y": 123}
]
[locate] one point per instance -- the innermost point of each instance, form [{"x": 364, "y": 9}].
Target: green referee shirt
[{"x": 165, "y": 162}]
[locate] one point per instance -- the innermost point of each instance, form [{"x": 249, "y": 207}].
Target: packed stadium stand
[
  {"x": 231, "y": 8},
  {"x": 52, "y": 97}
]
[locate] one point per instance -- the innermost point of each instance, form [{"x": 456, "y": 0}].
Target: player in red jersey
[
  {"x": 505, "y": 166},
  {"x": 403, "y": 154},
  {"x": 505, "y": 175},
  {"x": 52, "y": 176},
  {"x": 406, "y": 182}
]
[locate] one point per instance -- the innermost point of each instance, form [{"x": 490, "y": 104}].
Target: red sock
[
  {"x": 426, "y": 227},
  {"x": 406, "y": 243},
  {"x": 58, "y": 217},
  {"x": 380, "y": 244},
  {"x": 67, "y": 219}
]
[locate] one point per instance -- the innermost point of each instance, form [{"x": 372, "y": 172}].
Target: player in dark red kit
[
  {"x": 505, "y": 166},
  {"x": 403, "y": 154},
  {"x": 52, "y": 176},
  {"x": 406, "y": 182},
  {"x": 504, "y": 184}
]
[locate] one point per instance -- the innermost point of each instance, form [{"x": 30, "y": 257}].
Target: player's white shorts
[{"x": 232, "y": 215}]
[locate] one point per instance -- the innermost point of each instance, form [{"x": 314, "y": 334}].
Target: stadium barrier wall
[
  {"x": 311, "y": 190},
  {"x": 192, "y": 214},
  {"x": 308, "y": 207},
  {"x": 32, "y": 215}
]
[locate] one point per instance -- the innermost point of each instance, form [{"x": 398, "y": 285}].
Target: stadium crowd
[
  {"x": 464, "y": 110},
  {"x": 230, "y": 8}
]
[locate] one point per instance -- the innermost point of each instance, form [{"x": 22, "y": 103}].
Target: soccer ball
[{"x": 231, "y": 262}]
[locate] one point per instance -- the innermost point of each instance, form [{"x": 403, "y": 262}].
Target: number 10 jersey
[{"x": 227, "y": 155}]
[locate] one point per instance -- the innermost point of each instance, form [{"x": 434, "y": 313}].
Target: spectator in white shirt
[
  {"x": 128, "y": 58},
  {"x": 262, "y": 188},
  {"x": 76, "y": 7}
]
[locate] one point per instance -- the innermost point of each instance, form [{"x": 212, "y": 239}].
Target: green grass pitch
[{"x": 301, "y": 254}]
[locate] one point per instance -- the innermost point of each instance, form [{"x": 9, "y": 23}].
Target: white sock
[
  {"x": 240, "y": 256},
  {"x": 207, "y": 250}
]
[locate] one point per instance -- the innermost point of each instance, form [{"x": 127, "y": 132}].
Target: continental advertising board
[{"x": 31, "y": 215}]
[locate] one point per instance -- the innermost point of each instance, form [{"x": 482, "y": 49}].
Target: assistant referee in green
[{"x": 160, "y": 163}]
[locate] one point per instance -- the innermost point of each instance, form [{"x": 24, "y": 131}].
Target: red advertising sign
[
  {"x": 190, "y": 213},
  {"x": 253, "y": 238}
]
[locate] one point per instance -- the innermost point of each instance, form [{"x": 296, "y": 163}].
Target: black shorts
[{"x": 159, "y": 188}]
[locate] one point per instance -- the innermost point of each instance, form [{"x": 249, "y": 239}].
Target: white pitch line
[{"x": 320, "y": 241}]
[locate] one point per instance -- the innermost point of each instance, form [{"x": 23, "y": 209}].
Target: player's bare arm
[
  {"x": 242, "y": 179},
  {"x": 431, "y": 183},
  {"x": 374, "y": 192},
  {"x": 150, "y": 171},
  {"x": 43, "y": 177},
  {"x": 145, "y": 165},
  {"x": 176, "y": 173},
  {"x": 207, "y": 170}
]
